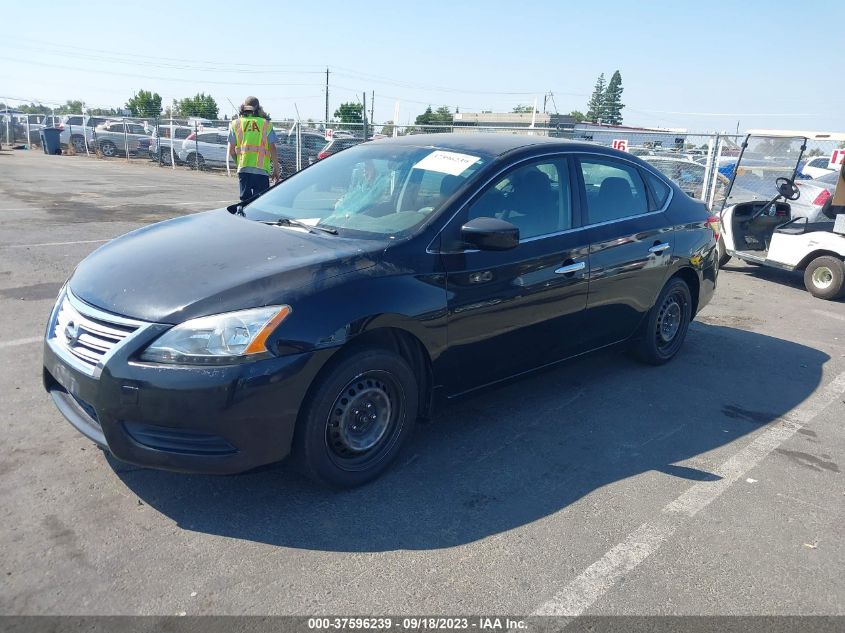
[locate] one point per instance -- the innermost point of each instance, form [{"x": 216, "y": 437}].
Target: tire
[
  {"x": 724, "y": 258},
  {"x": 824, "y": 277},
  {"x": 78, "y": 143},
  {"x": 667, "y": 324},
  {"x": 336, "y": 442},
  {"x": 195, "y": 161},
  {"x": 108, "y": 149}
]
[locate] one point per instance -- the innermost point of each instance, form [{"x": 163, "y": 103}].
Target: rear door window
[{"x": 615, "y": 189}]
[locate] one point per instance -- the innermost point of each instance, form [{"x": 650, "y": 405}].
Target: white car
[
  {"x": 817, "y": 167},
  {"x": 765, "y": 232},
  {"x": 206, "y": 149}
]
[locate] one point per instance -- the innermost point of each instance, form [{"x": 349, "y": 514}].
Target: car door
[
  {"x": 631, "y": 243},
  {"x": 511, "y": 311}
]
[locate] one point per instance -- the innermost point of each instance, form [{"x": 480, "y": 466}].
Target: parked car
[
  {"x": 688, "y": 175},
  {"x": 337, "y": 145},
  {"x": 312, "y": 144},
  {"x": 119, "y": 138},
  {"x": 205, "y": 149},
  {"x": 325, "y": 316},
  {"x": 816, "y": 167},
  {"x": 76, "y": 129},
  {"x": 162, "y": 140},
  {"x": 814, "y": 195}
]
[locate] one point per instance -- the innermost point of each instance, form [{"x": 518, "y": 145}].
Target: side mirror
[{"x": 490, "y": 234}]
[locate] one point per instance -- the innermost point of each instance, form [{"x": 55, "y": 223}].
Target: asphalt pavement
[{"x": 709, "y": 486}]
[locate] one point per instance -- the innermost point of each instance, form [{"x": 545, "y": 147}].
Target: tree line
[{"x": 143, "y": 103}]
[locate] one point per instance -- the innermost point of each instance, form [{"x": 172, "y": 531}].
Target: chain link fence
[{"x": 700, "y": 164}]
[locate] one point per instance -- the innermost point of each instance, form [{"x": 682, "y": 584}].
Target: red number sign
[
  {"x": 837, "y": 158},
  {"x": 621, "y": 144}
]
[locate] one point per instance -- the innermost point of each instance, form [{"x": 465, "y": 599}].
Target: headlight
[{"x": 217, "y": 340}]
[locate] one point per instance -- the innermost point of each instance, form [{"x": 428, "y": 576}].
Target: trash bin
[{"x": 50, "y": 140}]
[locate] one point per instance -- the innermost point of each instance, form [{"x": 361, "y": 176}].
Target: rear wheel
[
  {"x": 356, "y": 419},
  {"x": 824, "y": 277},
  {"x": 667, "y": 325},
  {"x": 78, "y": 143},
  {"x": 108, "y": 148},
  {"x": 195, "y": 161}
]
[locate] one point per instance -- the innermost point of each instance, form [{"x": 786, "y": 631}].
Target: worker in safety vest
[{"x": 252, "y": 144}]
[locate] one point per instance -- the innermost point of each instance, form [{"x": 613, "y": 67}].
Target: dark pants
[{"x": 252, "y": 184}]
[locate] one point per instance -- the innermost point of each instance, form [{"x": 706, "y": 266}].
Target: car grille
[{"x": 88, "y": 335}]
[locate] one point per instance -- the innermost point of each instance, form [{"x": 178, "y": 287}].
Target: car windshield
[
  {"x": 372, "y": 191},
  {"x": 764, "y": 160}
]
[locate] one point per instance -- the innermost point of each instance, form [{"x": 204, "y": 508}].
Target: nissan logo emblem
[{"x": 72, "y": 333}]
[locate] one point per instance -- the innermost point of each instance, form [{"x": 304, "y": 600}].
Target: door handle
[
  {"x": 658, "y": 248},
  {"x": 571, "y": 268}
]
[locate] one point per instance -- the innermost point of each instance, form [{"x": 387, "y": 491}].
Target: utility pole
[
  {"x": 327, "y": 97},
  {"x": 364, "y": 112}
]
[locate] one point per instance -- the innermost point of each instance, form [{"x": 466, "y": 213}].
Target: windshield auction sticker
[{"x": 451, "y": 163}]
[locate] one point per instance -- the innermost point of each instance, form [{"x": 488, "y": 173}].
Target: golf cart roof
[{"x": 809, "y": 135}]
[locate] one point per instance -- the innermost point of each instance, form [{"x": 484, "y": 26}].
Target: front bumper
[{"x": 214, "y": 420}]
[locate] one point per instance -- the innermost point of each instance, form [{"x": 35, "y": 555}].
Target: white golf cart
[{"x": 761, "y": 231}]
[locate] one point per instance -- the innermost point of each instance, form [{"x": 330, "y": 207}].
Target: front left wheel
[
  {"x": 356, "y": 419},
  {"x": 667, "y": 324}
]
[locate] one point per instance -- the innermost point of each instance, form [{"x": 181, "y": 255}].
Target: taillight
[
  {"x": 822, "y": 198},
  {"x": 60, "y": 127},
  {"x": 191, "y": 136},
  {"x": 322, "y": 155},
  {"x": 713, "y": 221}
]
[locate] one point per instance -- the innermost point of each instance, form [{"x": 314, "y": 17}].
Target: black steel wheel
[
  {"x": 356, "y": 418},
  {"x": 667, "y": 324},
  {"x": 363, "y": 420}
]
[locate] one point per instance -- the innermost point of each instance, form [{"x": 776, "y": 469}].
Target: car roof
[{"x": 490, "y": 144}]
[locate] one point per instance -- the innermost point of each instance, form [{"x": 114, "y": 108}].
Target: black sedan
[{"x": 323, "y": 318}]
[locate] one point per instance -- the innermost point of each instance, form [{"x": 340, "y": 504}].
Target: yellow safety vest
[{"x": 253, "y": 150}]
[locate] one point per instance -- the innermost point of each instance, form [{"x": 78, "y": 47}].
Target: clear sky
[{"x": 704, "y": 65}]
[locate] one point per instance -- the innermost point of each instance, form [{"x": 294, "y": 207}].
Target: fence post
[
  {"x": 708, "y": 172},
  {"x": 716, "y": 154},
  {"x": 85, "y": 135},
  {"x": 172, "y": 141},
  {"x": 126, "y": 139},
  {"x": 158, "y": 140},
  {"x": 298, "y": 146},
  {"x": 196, "y": 146},
  {"x": 28, "y": 143},
  {"x": 228, "y": 157}
]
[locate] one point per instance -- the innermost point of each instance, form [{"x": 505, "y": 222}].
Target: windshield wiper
[{"x": 311, "y": 228}]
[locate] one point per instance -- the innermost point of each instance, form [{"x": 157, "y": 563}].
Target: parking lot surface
[{"x": 711, "y": 485}]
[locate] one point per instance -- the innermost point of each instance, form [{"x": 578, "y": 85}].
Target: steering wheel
[{"x": 787, "y": 188}]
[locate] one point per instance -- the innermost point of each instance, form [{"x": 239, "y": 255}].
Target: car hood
[{"x": 210, "y": 263}]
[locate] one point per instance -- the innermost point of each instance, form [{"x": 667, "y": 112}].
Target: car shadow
[
  {"x": 791, "y": 278},
  {"x": 515, "y": 454}
]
